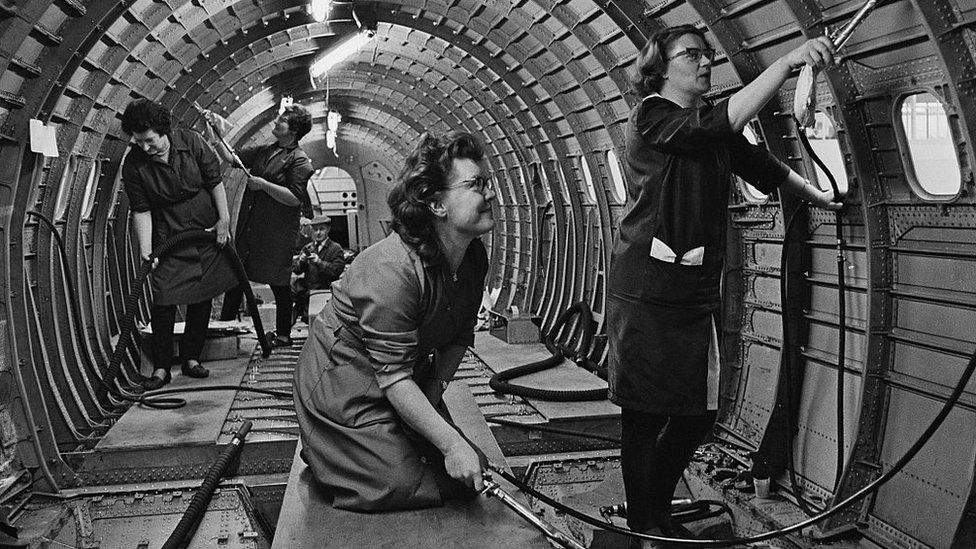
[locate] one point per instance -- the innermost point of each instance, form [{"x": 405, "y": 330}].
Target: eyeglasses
[
  {"x": 480, "y": 184},
  {"x": 695, "y": 54}
]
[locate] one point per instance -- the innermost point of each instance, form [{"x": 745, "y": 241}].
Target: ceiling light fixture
[
  {"x": 339, "y": 53},
  {"x": 286, "y": 101},
  {"x": 320, "y": 9}
]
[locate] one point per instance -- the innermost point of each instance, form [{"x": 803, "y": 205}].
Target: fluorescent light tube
[{"x": 339, "y": 53}]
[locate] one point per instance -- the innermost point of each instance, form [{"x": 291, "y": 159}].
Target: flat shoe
[
  {"x": 196, "y": 370},
  {"x": 277, "y": 341},
  {"x": 152, "y": 383}
]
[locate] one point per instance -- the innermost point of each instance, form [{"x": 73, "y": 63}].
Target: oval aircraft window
[
  {"x": 90, "y": 186},
  {"x": 823, "y": 139},
  {"x": 588, "y": 177},
  {"x": 563, "y": 183},
  {"x": 64, "y": 190},
  {"x": 619, "y": 188},
  {"x": 931, "y": 164},
  {"x": 751, "y": 193}
]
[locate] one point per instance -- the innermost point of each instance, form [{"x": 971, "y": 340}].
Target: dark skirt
[{"x": 658, "y": 358}]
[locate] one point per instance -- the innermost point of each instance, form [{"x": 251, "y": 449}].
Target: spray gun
[
  {"x": 805, "y": 97},
  {"x": 493, "y": 489},
  {"x": 238, "y": 163}
]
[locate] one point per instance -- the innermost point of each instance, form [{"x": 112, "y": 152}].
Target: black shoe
[
  {"x": 196, "y": 370},
  {"x": 152, "y": 383},
  {"x": 278, "y": 341}
]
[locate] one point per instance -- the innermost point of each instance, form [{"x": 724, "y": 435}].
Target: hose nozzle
[
  {"x": 805, "y": 94},
  {"x": 493, "y": 489},
  {"x": 840, "y": 37}
]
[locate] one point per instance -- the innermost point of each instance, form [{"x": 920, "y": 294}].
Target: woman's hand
[
  {"x": 155, "y": 261},
  {"x": 463, "y": 464},
  {"x": 214, "y": 122},
  {"x": 816, "y": 52},
  {"x": 256, "y": 183},
  {"x": 825, "y": 200},
  {"x": 222, "y": 229}
]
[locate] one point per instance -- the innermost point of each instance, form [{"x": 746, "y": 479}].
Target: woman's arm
[
  {"x": 223, "y": 214},
  {"x": 410, "y": 403},
  {"x": 277, "y": 192},
  {"x": 747, "y": 102},
  {"x": 800, "y": 187},
  {"x": 143, "y": 225},
  {"x": 219, "y": 126}
]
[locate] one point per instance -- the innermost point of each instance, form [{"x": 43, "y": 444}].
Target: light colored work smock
[{"x": 388, "y": 313}]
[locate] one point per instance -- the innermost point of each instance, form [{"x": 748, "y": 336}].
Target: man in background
[{"x": 321, "y": 261}]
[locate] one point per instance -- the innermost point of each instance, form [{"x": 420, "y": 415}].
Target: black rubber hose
[
  {"x": 841, "y": 349},
  {"x": 73, "y": 302},
  {"x": 554, "y": 430},
  {"x": 177, "y": 241},
  {"x": 725, "y": 507},
  {"x": 871, "y": 487},
  {"x": 841, "y": 304},
  {"x": 499, "y": 382},
  {"x": 198, "y": 505},
  {"x": 157, "y": 399},
  {"x": 786, "y": 363},
  {"x": 582, "y": 310},
  {"x": 587, "y": 328}
]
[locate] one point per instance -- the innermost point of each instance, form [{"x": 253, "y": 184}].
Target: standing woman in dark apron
[
  {"x": 172, "y": 180},
  {"x": 664, "y": 295},
  {"x": 267, "y": 232},
  {"x": 369, "y": 380}
]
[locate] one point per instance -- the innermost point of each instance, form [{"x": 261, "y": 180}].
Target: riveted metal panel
[
  {"x": 756, "y": 379},
  {"x": 816, "y": 443},
  {"x": 931, "y": 491},
  {"x": 137, "y": 519}
]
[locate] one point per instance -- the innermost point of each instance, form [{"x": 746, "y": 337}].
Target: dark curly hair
[
  {"x": 424, "y": 175},
  {"x": 651, "y": 63},
  {"x": 143, "y": 115},
  {"x": 299, "y": 120}
]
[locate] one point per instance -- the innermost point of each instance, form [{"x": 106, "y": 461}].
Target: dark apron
[{"x": 194, "y": 273}]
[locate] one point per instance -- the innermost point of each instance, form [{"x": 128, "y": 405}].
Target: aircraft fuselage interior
[{"x": 819, "y": 150}]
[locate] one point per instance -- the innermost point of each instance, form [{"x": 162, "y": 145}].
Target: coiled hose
[
  {"x": 155, "y": 399},
  {"x": 198, "y": 505},
  {"x": 869, "y": 488},
  {"x": 179, "y": 240},
  {"x": 500, "y": 381}
]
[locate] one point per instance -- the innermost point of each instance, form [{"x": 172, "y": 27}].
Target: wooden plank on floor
[
  {"x": 501, "y": 356},
  {"x": 308, "y": 519},
  {"x": 198, "y": 423}
]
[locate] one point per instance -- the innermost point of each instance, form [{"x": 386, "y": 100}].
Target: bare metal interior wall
[{"x": 545, "y": 83}]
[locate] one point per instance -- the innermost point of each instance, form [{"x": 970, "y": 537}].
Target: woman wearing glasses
[
  {"x": 665, "y": 273},
  {"x": 369, "y": 380}
]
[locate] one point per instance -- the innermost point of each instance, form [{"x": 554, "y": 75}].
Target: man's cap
[{"x": 321, "y": 220}]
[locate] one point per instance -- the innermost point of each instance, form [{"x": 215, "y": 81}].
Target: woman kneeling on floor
[{"x": 369, "y": 380}]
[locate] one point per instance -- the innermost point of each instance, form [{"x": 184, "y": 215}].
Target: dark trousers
[
  {"x": 301, "y": 297},
  {"x": 283, "y": 304},
  {"x": 194, "y": 333},
  {"x": 655, "y": 450}
]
